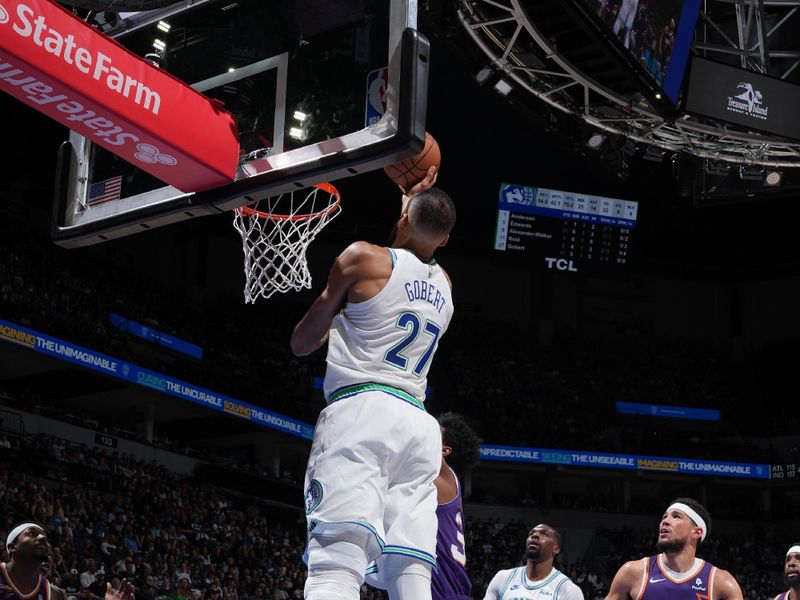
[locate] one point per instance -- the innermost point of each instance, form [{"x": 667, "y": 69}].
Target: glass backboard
[{"x": 321, "y": 89}]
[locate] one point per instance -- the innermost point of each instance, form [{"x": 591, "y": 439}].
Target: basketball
[{"x": 407, "y": 173}]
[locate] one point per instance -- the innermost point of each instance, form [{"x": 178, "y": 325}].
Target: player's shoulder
[
  {"x": 503, "y": 576},
  {"x": 636, "y": 566},
  {"x": 446, "y": 276},
  {"x": 56, "y": 593},
  {"x": 632, "y": 570},
  {"x": 364, "y": 255},
  {"x": 725, "y": 585},
  {"x": 566, "y": 589},
  {"x": 362, "y": 248}
]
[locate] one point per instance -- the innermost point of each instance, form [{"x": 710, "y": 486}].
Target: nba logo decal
[
  {"x": 313, "y": 496},
  {"x": 377, "y": 88}
]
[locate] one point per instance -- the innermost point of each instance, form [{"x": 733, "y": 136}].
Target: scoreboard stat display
[{"x": 565, "y": 231}]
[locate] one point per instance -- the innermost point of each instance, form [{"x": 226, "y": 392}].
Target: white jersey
[
  {"x": 513, "y": 584},
  {"x": 390, "y": 339}
]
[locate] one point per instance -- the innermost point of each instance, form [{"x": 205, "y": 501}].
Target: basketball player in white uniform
[
  {"x": 21, "y": 577},
  {"x": 538, "y": 579},
  {"x": 624, "y": 21},
  {"x": 370, "y": 479}
]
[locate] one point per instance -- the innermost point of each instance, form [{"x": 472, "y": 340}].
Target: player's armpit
[
  {"x": 627, "y": 581},
  {"x": 495, "y": 588},
  {"x": 726, "y": 587},
  {"x": 312, "y": 330},
  {"x": 572, "y": 592}
]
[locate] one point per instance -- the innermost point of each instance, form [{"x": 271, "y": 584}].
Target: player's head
[
  {"x": 28, "y": 542},
  {"x": 428, "y": 218},
  {"x": 686, "y": 522},
  {"x": 543, "y": 544},
  {"x": 791, "y": 566},
  {"x": 460, "y": 445}
]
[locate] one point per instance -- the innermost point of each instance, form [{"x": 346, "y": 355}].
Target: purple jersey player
[
  {"x": 460, "y": 448},
  {"x": 791, "y": 574},
  {"x": 676, "y": 573}
]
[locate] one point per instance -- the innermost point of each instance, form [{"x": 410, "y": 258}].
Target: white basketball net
[{"x": 276, "y": 233}]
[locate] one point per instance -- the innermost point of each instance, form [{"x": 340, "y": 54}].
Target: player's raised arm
[
  {"x": 627, "y": 581},
  {"x": 312, "y": 330},
  {"x": 726, "y": 587}
]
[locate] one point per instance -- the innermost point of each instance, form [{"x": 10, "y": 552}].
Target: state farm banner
[{"x": 59, "y": 65}]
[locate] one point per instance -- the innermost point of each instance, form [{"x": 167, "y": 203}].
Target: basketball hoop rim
[{"x": 325, "y": 187}]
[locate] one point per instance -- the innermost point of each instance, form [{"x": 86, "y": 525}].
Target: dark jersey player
[
  {"x": 677, "y": 573},
  {"x": 460, "y": 452},
  {"x": 21, "y": 577}
]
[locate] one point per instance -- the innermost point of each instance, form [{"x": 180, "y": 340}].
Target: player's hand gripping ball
[{"x": 409, "y": 172}]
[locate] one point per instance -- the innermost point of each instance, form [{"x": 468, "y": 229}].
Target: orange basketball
[{"x": 407, "y": 173}]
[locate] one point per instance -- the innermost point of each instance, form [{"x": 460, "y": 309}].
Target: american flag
[{"x": 103, "y": 191}]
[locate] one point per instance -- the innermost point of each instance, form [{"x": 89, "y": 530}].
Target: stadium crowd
[
  {"x": 110, "y": 516},
  {"x": 574, "y": 382}
]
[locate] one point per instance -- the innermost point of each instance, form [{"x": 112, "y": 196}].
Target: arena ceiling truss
[{"x": 537, "y": 45}]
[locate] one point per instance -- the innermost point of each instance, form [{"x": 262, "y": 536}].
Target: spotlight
[
  {"x": 483, "y": 75},
  {"x": 751, "y": 173},
  {"x": 159, "y": 45},
  {"x": 164, "y": 26},
  {"x": 773, "y": 178},
  {"x": 299, "y": 115},
  {"x": 297, "y": 133},
  {"x": 597, "y": 140},
  {"x": 503, "y": 87}
]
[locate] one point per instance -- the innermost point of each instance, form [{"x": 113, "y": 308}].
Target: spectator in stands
[
  {"x": 89, "y": 576},
  {"x": 130, "y": 542},
  {"x": 98, "y": 586},
  {"x": 71, "y": 581}
]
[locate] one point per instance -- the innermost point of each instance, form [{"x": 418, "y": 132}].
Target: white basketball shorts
[{"x": 375, "y": 455}]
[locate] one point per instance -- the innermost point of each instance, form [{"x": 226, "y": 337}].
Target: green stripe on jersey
[{"x": 360, "y": 388}]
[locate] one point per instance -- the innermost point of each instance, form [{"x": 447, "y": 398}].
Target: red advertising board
[{"x": 59, "y": 65}]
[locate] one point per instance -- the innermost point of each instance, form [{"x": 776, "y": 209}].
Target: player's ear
[
  {"x": 446, "y": 239},
  {"x": 446, "y": 450},
  {"x": 697, "y": 534}
]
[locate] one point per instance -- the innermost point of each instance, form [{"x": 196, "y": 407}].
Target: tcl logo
[{"x": 560, "y": 264}]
